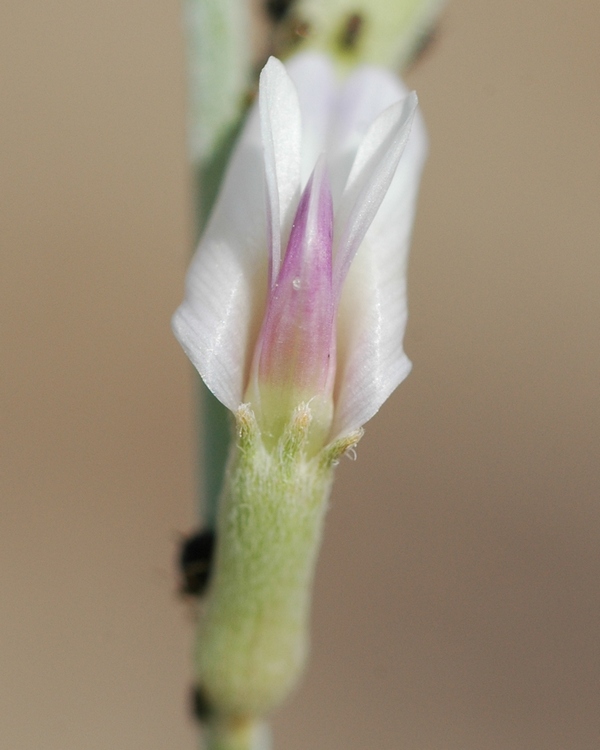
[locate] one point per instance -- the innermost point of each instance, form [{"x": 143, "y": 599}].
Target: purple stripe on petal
[{"x": 297, "y": 342}]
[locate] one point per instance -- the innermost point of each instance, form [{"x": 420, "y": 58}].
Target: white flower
[{"x": 297, "y": 292}]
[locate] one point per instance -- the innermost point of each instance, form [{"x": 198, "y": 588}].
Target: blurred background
[{"x": 457, "y": 598}]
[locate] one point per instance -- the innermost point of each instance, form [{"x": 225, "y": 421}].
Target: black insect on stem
[
  {"x": 195, "y": 562},
  {"x": 201, "y": 708},
  {"x": 351, "y": 32}
]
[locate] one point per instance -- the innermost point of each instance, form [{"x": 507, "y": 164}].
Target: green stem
[{"x": 253, "y": 637}]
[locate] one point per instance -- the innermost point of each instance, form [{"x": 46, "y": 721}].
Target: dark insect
[
  {"x": 351, "y": 32},
  {"x": 277, "y": 9},
  {"x": 195, "y": 562},
  {"x": 201, "y": 709}
]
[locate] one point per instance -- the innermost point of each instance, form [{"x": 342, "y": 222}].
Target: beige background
[{"x": 457, "y": 603}]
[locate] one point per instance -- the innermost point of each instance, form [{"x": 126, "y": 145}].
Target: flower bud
[{"x": 294, "y": 360}]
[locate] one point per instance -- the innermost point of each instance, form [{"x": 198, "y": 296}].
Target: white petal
[
  {"x": 373, "y": 310},
  {"x": 282, "y": 139},
  {"x": 363, "y": 97},
  {"x": 314, "y": 78},
  {"x": 226, "y": 282},
  {"x": 370, "y": 177}
]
